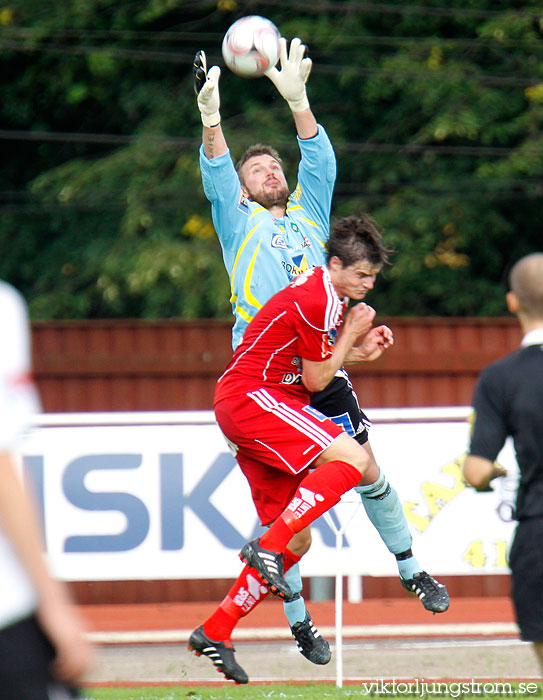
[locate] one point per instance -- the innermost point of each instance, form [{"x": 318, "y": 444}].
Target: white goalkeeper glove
[
  {"x": 206, "y": 87},
  {"x": 291, "y": 79}
]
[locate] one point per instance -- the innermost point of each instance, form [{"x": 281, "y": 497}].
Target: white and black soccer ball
[{"x": 251, "y": 46}]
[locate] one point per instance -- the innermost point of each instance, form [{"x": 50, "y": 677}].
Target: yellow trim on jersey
[
  {"x": 242, "y": 246},
  {"x": 309, "y": 221},
  {"x": 312, "y": 223},
  {"x": 322, "y": 243},
  {"x": 247, "y": 284},
  {"x": 255, "y": 211},
  {"x": 244, "y": 315}
]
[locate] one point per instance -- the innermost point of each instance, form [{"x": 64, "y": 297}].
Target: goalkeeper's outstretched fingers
[{"x": 291, "y": 79}]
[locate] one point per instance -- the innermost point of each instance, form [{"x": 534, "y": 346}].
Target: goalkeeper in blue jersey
[{"x": 268, "y": 235}]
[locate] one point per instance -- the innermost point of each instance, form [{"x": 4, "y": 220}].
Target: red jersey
[{"x": 300, "y": 321}]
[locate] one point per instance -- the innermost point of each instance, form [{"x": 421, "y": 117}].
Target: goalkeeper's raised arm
[{"x": 206, "y": 87}]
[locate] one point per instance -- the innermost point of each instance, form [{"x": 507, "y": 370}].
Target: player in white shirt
[{"x": 43, "y": 652}]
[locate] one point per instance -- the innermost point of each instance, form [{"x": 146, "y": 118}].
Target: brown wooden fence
[{"x": 173, "y": 365}]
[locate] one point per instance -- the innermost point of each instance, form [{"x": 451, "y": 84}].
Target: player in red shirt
[{"x": 292, "y": 348}]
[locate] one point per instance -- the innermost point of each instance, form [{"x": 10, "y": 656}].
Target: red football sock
[
  {"x": 318, "y": 492},
  {"x": 246, "y": 593},
  {"x": 289, "y": 559}
]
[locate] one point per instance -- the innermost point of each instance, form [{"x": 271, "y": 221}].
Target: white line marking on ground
[{"x": 484, "y": 629}]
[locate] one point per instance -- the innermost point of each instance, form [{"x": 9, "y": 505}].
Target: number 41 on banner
[{"x": 476, "y": 557}]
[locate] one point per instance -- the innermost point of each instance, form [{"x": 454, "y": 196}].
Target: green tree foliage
[{"x": 435, "y": 111}]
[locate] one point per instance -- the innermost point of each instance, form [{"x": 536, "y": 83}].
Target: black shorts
[
  {"x": 338, "y": 401},
  {"x": 526, "y": 562},
  {"x": 25, "y": 658}
]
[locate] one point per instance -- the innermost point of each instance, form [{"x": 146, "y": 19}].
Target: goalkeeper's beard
[{"x": 268, "y": 200}]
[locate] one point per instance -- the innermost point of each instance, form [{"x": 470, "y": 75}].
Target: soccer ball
[{"x": 251, "y": 46}]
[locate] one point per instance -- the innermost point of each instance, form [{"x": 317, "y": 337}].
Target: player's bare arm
[
  {"x": 214, "y": 141},
  {"x": 306, "y": 124},
  {"x": 317, "y": 375}
]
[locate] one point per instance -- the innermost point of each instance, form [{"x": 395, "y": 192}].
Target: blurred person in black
[
  {"x": 43, "y": 651},
  {"x": 508, "y": 401}
]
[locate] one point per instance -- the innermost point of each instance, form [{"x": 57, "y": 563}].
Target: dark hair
[
  {"x": 355, "y": 238},
  {"x": 257, "y": 149}
]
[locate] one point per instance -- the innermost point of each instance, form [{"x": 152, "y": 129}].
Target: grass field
[{"x": 462, "y": 689}]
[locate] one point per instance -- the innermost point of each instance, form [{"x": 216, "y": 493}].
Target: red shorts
[{"x": 274, "y": 438}]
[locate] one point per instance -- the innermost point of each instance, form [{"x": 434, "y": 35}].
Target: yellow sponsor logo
[{"x": 435, "y": 496}]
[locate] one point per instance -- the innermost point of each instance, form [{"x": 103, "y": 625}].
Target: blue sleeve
[
  {"x": 222, "y": 188},
  {"x": 317, "y": 176}
]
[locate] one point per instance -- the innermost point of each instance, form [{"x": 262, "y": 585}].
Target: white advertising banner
[{"x": 159, "y": 496}]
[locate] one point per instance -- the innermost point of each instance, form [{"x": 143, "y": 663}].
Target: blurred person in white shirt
[{"x": 43, "y": 651}]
